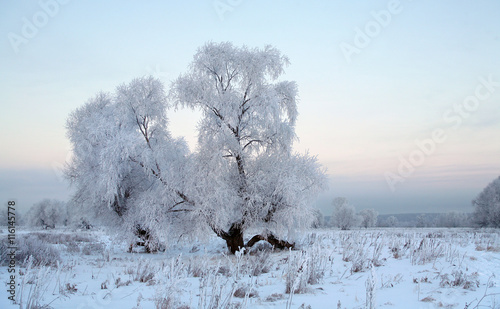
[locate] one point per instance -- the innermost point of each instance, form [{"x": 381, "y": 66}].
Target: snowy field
[{"x": 374, "y": 268}]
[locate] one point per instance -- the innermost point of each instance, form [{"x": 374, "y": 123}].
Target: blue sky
[{"x": 418, "y": 67}]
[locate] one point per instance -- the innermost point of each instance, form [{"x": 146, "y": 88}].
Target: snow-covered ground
[{"x": 407, "y": 268}]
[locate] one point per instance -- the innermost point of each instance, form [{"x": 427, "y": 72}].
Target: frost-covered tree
[
  {"x": 391, "y": 221},
  {"x": 422, "y": 221},
  {"x": 126, "y": 167},
  {"x": 487, "y": 205},
  {"x": 319, "y": 219},
  {"x": 368, "y": 217},
  {"x": 344, "y": 214},
  {"x": 453, "y": 219},
  {"x": 128, "y": 170},
  {"x": 47, "y": 213},
  {"x": 245, "y": 173}
]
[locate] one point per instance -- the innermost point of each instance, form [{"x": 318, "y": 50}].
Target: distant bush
[
  {"x": 344, "y": 214},
  {"x": 368, "y": 218},
  {"x": 41, "y": 252},
  {"x": 460, "y": 279},
  {"x": 260, "y": 263},
  {"x": 93, "y": 248},
  {"x": 47, "y": 214},
  {"x": 61, "y": 238}
]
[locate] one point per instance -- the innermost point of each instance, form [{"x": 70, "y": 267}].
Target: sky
[{"x": 399, "y": 100}]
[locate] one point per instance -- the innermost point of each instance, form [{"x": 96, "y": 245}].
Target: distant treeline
[{"x": 451, "y": 219}]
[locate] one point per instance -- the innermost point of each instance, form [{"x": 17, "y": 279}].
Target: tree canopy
[
  {"x": 487, "y": 205},
  {"x": 244, "y": 173}
]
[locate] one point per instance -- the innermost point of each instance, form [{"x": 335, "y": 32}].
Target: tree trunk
[
  {"x": 234, "y": 238},
  {"x": 275, "y": 242}
]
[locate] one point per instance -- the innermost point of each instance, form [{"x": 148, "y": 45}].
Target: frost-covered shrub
[
  {"x": 33, "y": 286},
  {"x": 83, "y": 223},
  {"x": 427, "y": 251},
  {"x": 174, "y": 269},
  {"x": 377, "y": 251},
  {"x": 459, "y": 279},
  {"x": 274, "y": 297},
  {"x": 259, "y": 264},
  {"x": 120, "y": 283},
  {"x": 371, "y": 283},
  {"x": 296, "y": 274},
  {"x": 167, "y": 296},
  {"x": 41, "y": 252},
  {"x": 354, "y": 251},
  {"x": 306, "y": 268},
  {"x": 362, "y": 249},
  {"x": 143, "y": 271},
  {"x": 400, "y": 244},
  {"x": 170, "y": 282},
  {"x": 196, "y": 266},
  {"x": 72, "y": 247},
  {"x": 224, "y": 270},
  {"x": 93, "y": 248},
  {"x": 396, "y": 252},
  {"x": 61, "y": 238},
  {"x": 317, "y": 261},
  {"x": 216, "y": 291},
  {"x": 245, "y": 291}
]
